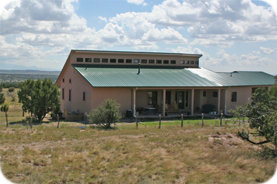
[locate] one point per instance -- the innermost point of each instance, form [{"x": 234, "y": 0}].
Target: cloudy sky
[{"x": 230, "y": 34}]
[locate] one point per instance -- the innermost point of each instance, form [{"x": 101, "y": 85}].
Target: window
[
  {"x": 215, "y": 94},
  {"x": 173, "y": 62},
  {"x": 192, "y": 62},
  {"x": 152, "y": 97},
  {"x": 168, "y": 97},
  {"x": 112, "y": 60},
  {"x": 234, "y": 97},
  {"x": 187, "y": 62},
  {"x": 96, "y": 60},
  {"x": 166, "y": 61},
  {"x": 88, "y": 60},
  {"x": 105, "y": 60},
  {"x": 63, "y": 93},
  {"x": 136, "y": 61},
  {"x": 144, "y": 61},
  {"x": 80, "y": 59},
  {"x": 182, "y": 62},
  {"x": 158, "y": 61},
  {"x": 84, "y": 96},
  {"x": 204, "y": 93},
  {"x": 120, "y": 60},
  {"x": 128, "y": 60},
  {"x": 196, "y": 62},
  {"x": 151, "y": 61},
  {"x": 69, "y": 96},
  {"x": 69, "y": 80},
  {"x": 63, "y": 79}
]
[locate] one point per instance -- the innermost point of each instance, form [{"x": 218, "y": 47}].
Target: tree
[
  {"x": 2, "y": 98},
  {"x": 273, "y": 89},
  {"x": 5, "y": 108},
  {"x": 262, "y": 115},
  {"x": 39, "y": 97},
  {"x": 105, "y": 114}
]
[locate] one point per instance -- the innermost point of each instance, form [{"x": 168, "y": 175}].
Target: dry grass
[{"x": 127, "y": 155}]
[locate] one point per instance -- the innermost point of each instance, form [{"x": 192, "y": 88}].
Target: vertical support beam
[
  {"x": 164, "y": 92},
  {"x": 218, "y": 101},
  {"x": 192, "y": 101},
  {"x": 225, "y": 107},
  {"x": 200, "y": 99},
  {"x": 182, "y": 120},
  {"x": 134, "y": 101}
]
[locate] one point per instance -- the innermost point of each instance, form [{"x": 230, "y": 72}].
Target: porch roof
[
  {"x": 235, "y": 78},
  {"x": 127, "y": 77}
]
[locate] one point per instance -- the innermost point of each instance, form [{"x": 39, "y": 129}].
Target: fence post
[
  {"x": 136, "y": 122},
  {"x": 221, "y": 119},
  {"x": 182, "y": 119},
  {"x": 31, "y": 122},
  {"x": 58, "y": 121},
  {"x": 160, "y": 121},
  {"x": 202, "y": 120}
]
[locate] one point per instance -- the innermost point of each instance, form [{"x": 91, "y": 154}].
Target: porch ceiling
[{"x": 127, "y": 77}]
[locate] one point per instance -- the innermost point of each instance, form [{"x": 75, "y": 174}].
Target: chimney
[{"x": 138, "y": 68}]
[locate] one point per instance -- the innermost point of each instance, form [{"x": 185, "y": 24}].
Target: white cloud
[
  {"x": 103, "y": 19},
  {"x": 264, "y": 50},
  {"x": 137, "y": 2}
]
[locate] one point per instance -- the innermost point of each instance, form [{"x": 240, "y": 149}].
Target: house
[{"x": 146, "y": 83}]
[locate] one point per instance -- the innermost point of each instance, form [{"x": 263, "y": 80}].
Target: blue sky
[{"x": 230, "y": 34}]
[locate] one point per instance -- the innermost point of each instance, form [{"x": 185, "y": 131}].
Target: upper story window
[
  {"x": 204, "y": 93},
  {"x": 144, "y": 61},
  {"x": 136, "y": 61},
  {"x": 80, "y": 59},
  {"x": 215, "y": 94},
  {"x": 88, "y": 60},
  {"x": 120, "y": 60},
  {"x": 63, "y": 79},
  {"x": 173, "y": 62},
  {"x": 69, "y": 80},
  {"x": 151, "y": 61},
  {"x": 196, "y": 62},
  {"x": 158, "y": 61},
  {"x": 166, "y": 61},
  {"x": 112, "y": 60},
  {"x": 128, "y": 60},
  {"x": 192, "y": 62},
  {"x": 96, "y": 60},
  {"x": 187, "y": 62},
  {"x": 105, "y": 60},
  {"x": 84, "y": 96},
  {"x": 182, "y": 62}
]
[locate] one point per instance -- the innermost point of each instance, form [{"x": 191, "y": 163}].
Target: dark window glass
[
  {"x": 120, "y": 60},
  {"x": 128, "y": 60},
  {"x": 63, "y": 79},
  {"x": 69, "y": 80},
  {"x": 158, "y": 61},
  {"x": 151, "y": 61},
  {"x": 105, "y": 60},
  {"x": 96, "y": 60},
  {"x": 192, "y": 62},
  {"x": 152, "y": 97},
  {"x": 173, "y": 62},
  {"x": 80, "y": 59},
  {"x": 187, "y": 62},
  {"x": 215, "y": 94},
  {"x": 196, "y": 62},
  {"x": 204, "y": 93},
  {"x": 187, "y": 98},
  {"x": 112, "y": 60},
  {"x": 166, "y": 61},
  {"x": 84, "y": 96},
  {"x": 144, "y": 61},
  {"x": 234, "y": 97},
  {"x": 63, "y": 93},
  {"x": 168, "y": 97},
  {"x": 69, "y": 96},
  {"x": 88, "y": 60}
]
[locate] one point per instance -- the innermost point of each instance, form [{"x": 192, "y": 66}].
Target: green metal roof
[
  {"x": 236, "y": 78},
  {"x": 127, "y": 77}
]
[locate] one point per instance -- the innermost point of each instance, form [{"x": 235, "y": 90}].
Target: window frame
[
  {"x": 69, "y": 95},
  {"x": 62, "y": 93},
  {"x": 79, "y": 60},
  {"x": 105, "y": 60},
  {"x": 113, "y": 60},
  {"x": 234, "y": 96},
  {"x": 215, "y": 94},
  {"x": 84, "y": 96},
  {"x": 153, "y": 99},
  {"x": 129, "y": 61},
  {"x": 96, "y": 60},
  {"x": 88, "y": 60},
  {"x": 121, "y": 61}
]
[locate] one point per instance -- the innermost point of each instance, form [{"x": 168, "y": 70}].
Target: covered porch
[{"x": 149, "y": 102}]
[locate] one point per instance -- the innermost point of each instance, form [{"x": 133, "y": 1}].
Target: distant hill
[{"x": 16, "y": 76}]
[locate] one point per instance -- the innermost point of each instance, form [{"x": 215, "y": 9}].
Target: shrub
[
  {"x": 11, "y": 89},
  {"x": 105, "y": 114}
]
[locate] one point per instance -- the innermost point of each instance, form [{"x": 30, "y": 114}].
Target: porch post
[
  {"x": 200, "y": 105},
  {"x": 134, "y": 102},
  {"x": 164, "y": 92},
  {"x": 192, "y": 101},
  {"x": 225, "y": 103},
  {"x": 218, "y": 101}
]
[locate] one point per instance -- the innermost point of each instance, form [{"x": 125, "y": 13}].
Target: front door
[{"x": 181, "y": 99}]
